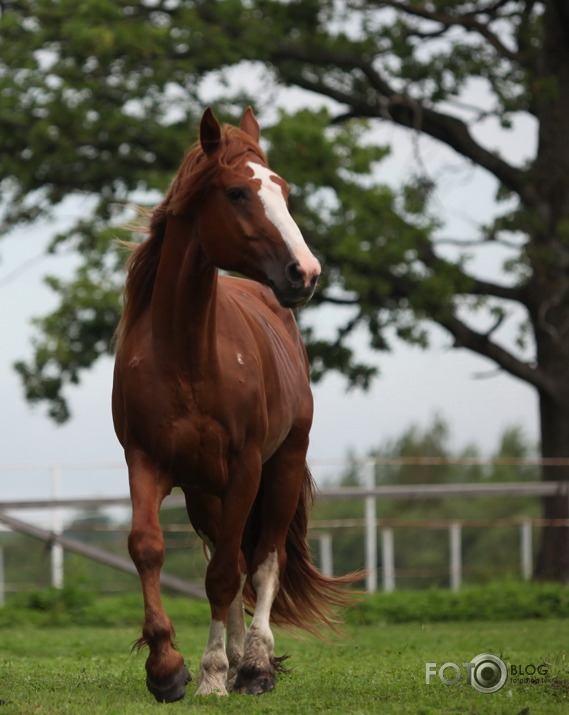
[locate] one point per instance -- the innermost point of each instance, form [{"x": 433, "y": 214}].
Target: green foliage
[
  {"x": 96, "y": 101},
  {"x": 110, "y": 94},
  {"x": 337, "y": 201},
  {"x": 88, "y": 94},
  {"x": 497, "y": 601},
  {"x": 83, "y": 606},
  {"x": 81, "y": 329},
  {"x": 54, "y": 605}
]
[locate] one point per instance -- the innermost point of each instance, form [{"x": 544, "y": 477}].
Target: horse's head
[{"x": 245, "y": 225}]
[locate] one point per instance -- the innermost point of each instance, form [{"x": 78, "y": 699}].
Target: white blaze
[{"x": 276, "y": 210}]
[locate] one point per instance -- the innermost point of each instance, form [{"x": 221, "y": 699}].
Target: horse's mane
[{"x": 194, "y": 177}]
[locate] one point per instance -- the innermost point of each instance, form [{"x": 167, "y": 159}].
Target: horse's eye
[{"x": 237, "y": 194}]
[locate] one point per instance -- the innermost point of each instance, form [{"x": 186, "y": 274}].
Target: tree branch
[
  {"x": 476, "y": 242},
  {"x": 489, "y": 9},
  {"x": 467, "y": 21},
  {"x": 403, "y": 110},
  {"x": 320, "y": 298},
  {"x": 466, "y": 337},
  {"x": 477, "y": 286}
]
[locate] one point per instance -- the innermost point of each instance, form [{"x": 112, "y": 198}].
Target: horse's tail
[{"x": 306, "y": 598}]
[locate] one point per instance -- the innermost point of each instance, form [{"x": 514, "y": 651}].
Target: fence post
[
  {"x": 370, "y": 531},
  {"x": 455, "y": 543},
  {"x": 387, "y": 559},
  {"x": 326, "y": 559},
  {"x": 57, "y": 528},
  {"x": 526, "y": 556}
]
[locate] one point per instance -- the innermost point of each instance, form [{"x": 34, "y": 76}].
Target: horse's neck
[{"x": 183, "y": 301}]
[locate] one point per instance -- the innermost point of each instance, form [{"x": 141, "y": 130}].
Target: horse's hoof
[
  {"x": 168, "y": 690},
  {"x": 254, "y": 683}
]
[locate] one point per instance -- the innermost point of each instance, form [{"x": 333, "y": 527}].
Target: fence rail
[
  {"x": 402, "y": 491},
  {"x": 378, "y": 532}
]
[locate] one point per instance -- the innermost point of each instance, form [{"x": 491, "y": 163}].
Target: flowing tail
[{"x": 307, "y": 599}]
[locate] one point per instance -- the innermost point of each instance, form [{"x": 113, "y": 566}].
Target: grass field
[{"x": 376, "y": 668}]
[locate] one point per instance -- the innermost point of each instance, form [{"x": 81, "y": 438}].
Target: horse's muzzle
[
  {"x": 297, "y": 285},
  {"x": 292, "y": 297}
]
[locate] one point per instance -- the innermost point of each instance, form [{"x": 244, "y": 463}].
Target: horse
[{"x": 211, "y": 394}]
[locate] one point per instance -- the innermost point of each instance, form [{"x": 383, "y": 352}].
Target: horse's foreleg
[{"x": 167, "y": 675}]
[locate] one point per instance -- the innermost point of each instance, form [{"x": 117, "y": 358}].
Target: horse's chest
[{"x": 193, "y": 445}]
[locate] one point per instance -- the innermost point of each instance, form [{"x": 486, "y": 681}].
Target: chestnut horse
[{"x": 211, "y": 394}]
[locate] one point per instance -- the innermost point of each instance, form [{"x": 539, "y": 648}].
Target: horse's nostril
[
  {"x": 314, "y": 280},
  {"x": 295, "y": 275}
]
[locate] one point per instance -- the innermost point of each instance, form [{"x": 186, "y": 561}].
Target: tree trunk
[
  {"x": 549, "y": 286},
  {"x": 553, "y": 557}
]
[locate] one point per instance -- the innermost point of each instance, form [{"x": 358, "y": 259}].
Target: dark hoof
[
  {"x": 168, "y": 690},
  {"x": 251, "y": 682}
]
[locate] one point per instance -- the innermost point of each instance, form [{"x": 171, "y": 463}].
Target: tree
[
  {"x": 410, "y": 63},
  {"x": 98, "y": 82},
  {"x": 97, "y": 101}
]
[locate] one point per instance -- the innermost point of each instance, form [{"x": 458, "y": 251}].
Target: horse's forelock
[{"x": 198, "y": 170}]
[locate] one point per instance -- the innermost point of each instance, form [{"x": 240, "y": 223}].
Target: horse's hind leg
[
  {"x": 282, "y": 478},
  {"x": 220, "y": 660},
  {"x": 256, "y": 670},
  {"x": 167, "y": 675},
  {"x": 236, "y": 631}
]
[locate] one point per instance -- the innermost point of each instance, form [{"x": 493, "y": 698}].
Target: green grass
[
  {"x": 379, "y": 668},
  {"x": 68, "y": 652}
]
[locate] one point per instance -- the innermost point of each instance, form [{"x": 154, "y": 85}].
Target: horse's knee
[{"x": 146, "y": 549}]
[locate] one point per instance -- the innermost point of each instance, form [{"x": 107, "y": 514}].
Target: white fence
[{"x": 378, "y": 532}]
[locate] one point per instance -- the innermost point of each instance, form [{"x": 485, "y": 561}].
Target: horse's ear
[
  {"x": 210, "y": 132},
  {"x": 249, "y": 125}
]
